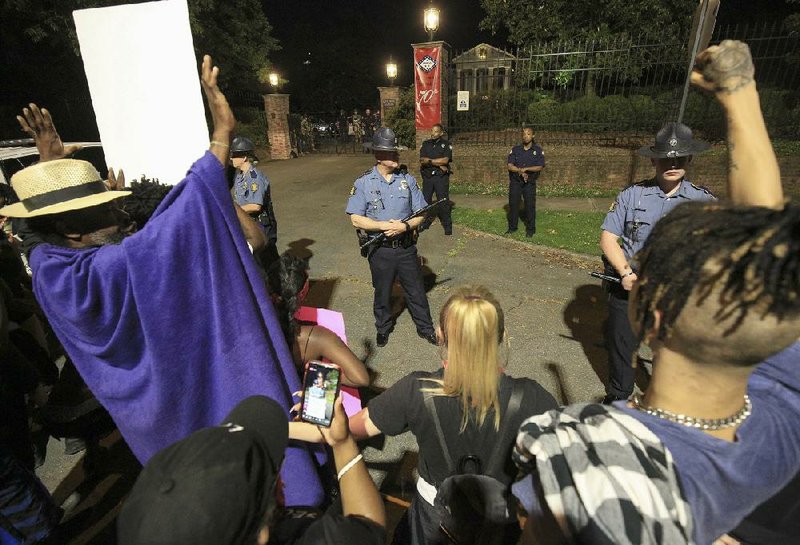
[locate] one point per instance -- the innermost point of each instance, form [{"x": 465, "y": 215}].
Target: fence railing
[{"x": 607, "y": 92}]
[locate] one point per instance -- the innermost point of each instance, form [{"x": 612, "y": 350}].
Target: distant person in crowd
[
  {"x": 342, "y": 127},
  {"x": 472, "y": 397},
  {"x": 369, "y": 124},
  {"x": 222, "y": 485},
  {"x": 718, "y": 299},
  {"x": 525, "y": 162},
  {"x": 252, "y": 191},
  {"x": 357, "y": 122},
  {"x": 289, "y": 285},
  {"x": 307, "y": 132},
  {"x": 379, "y": 200},
  {"x": 631, "y": 218},
  {"x": 435, "y": 157},
  {"x": 170, "y": 326}
]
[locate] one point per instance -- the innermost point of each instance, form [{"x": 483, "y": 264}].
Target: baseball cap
[{"x": 212, "y": 487}]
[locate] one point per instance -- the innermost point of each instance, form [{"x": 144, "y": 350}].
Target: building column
[
  {"x": 277, "y": 107},
  {"x": 390, "y": 99},
  {"x": 440, "y": 95}
]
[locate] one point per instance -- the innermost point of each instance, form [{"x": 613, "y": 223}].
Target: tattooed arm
[{"x": 753, "y": 177}]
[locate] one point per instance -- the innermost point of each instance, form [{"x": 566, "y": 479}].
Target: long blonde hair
[{"x": 472, "y": 325}]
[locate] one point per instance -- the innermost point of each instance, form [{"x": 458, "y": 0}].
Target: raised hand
[
  {"x": 724, "y": 68},
  {"x": 115, "y": 183},
  {"x": 221, "y": 113},
  {"x": 39, "y": 125}
]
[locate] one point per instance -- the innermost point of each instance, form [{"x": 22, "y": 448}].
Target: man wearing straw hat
[
  {"x": 631, "y": 218},
  {"x": 146, "y": 317}
]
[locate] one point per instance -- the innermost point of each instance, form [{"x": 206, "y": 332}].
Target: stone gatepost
[
  {"x": 277, "y": 107},
  {"x": 390, "y": 99}
]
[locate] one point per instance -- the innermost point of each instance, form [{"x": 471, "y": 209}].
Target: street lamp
[
  {"x": 273, "y": 80},
  {"x": 431, "y": 20},
  {"x": 391, "y": 71}
]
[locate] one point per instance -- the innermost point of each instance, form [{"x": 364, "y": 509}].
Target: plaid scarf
[{"x": 605, "y": 476}]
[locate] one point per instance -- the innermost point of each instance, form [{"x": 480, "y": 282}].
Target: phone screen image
[{"x": 320, "y": 388}]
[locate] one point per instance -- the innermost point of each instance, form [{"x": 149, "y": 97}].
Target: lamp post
[
  {"x": 391, "y": 71},
  {"x": 431, "y": 20},
  {"x": 274, "y": 80}
]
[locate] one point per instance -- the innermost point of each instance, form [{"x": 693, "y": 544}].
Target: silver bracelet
[{"x": 349, "y": 465}]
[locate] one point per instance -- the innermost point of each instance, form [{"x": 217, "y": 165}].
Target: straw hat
[{"x": 58, "y": 186}]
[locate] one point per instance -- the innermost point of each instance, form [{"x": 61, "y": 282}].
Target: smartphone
[{"x": 320, "y": 388}]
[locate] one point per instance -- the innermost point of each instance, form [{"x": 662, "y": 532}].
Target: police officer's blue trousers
[
  {"x": 386, "y": 264},
  {"x": 516, "y": 191},
  {"x": 622, "y": 346},
  {"x": 441, "y": 186}
]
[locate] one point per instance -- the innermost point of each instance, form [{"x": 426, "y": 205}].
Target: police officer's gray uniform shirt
[
  {"x": 249, "y": 187},
  {"x": 375, "y": 198},
  {"x": 638, "y": 208}
]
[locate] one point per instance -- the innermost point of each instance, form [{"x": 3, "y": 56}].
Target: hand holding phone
[{"x": 320, "y": 390}]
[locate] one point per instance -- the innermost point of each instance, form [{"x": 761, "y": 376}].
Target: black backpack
[{"x": 474, "y": 508}]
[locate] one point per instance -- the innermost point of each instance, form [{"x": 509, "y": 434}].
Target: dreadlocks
[
  {"x": 749, "y": 257},
  {"x": 145, "y": 197}
]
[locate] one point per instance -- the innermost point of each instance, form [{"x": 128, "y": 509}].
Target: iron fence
[{"x": 616, "y": 92}]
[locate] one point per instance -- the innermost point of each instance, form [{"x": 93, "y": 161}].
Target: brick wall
[
  {"x": 277, "y": 108},
  {"x": 569, "y": 167}
]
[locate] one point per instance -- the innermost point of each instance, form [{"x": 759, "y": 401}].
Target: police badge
[
  {"x": 404, "y": 185},
  {"x": 254, "y": 187}
]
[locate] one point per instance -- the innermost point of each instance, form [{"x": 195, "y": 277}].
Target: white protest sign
[
  {"x": 462, "y": 104},
  {"x": 145, "y": 87}
]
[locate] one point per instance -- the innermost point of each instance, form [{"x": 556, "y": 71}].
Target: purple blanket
[{"x": 173, "y": 327}]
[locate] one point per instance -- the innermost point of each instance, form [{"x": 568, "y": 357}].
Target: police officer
[
  {"x": 525, "y": 162},
  {"x": 380, "y": 198},
  {"x": 435, "y": 156},
  {"x": 631, "y": 217},
  {"x": 251, "y": 191}
]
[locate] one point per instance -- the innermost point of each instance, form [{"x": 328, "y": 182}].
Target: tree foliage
[
  {"x": 588, "y": 26},
  {"x": 237, "y": 33}
]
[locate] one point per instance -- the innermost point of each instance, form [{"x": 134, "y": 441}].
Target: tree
[
  {"x": 237, "y": 34},
  {"x": 621, "y": 24}
]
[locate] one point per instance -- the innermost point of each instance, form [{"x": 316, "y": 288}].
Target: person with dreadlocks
[{"x": 718, "y": 300}]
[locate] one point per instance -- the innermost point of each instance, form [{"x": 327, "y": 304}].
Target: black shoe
[
  {"x": 510, "y": 231},
  {"x": 609, "y": 399},
  {"x": 430, "y": 337},
  {"x": 529, "y": 234},
  {"x": 381, "y": 339},
  {"x": 423, "y": 226}
]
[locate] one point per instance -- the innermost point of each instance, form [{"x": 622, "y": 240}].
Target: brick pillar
[
  {"x": 443, "y": 91},
  {"x": 390, "y": 98},
  {"x": 277, "y": 107}
]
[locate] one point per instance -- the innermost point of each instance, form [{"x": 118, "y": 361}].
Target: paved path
[{"x": 554, "y": 310}]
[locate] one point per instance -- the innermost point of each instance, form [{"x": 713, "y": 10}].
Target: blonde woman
[{"x": 470, "y": 392}]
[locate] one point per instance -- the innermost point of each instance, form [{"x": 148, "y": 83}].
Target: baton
[
  {"x": 705, "y": 17},
  {"x": 606, "y": 277},
  {"x": 381, "y": 237}
]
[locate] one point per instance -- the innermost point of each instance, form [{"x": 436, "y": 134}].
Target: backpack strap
[
  {"x": 431, "y": 406},
  {"x": 495, "y": 466}
]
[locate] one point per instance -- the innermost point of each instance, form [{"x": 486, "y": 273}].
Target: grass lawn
[{"x": 577, "y": 232}]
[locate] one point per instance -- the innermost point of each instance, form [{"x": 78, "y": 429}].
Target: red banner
[{"x": 427, "y": 83}]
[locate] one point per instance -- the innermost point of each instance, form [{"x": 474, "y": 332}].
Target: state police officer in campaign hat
[
  {"x": 251, "y": 191},
  {"x": 380, "y": 198},
  {"x": 629, "y": 220},
  {"x": 435, "y": 156}
]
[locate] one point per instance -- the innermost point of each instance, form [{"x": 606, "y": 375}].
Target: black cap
[
  {"x": 674, "y": 140},
  {"x": 384, "y": 139},
  {"x": 214, "y": 486}
]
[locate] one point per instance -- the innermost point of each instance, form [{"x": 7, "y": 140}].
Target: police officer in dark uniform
[
  {"x": 380, "y": 198},
  {"x": 435, "y": 157},
  {"x": 630, "y": 219},
  {"x": 525, "y": 162},
  {"x": 251, "y": 191}
]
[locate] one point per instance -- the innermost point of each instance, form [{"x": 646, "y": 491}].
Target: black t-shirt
[{"x": 402, "y": 408}]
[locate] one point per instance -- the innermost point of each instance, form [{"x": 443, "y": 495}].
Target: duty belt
[{"x": 399, "y": 242}]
